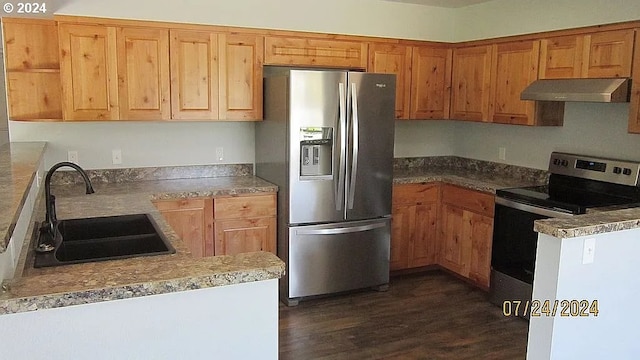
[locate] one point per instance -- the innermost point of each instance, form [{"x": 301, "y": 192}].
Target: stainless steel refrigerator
[{"x": 327, "y": 142}]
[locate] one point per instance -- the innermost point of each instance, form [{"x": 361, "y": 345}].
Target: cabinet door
[
  {"x": 430, "y": 83},
  {"x": 402, "y": 230},
  {"x": 423, "y": 249},
  {"x": 561, "y": 57},
  {"x": 315, "y": 52},
  {"x": 481, "y": 235},
  {"x": 245, "y": 235},
  {"x": 192, "y": 221},
  {"x": 471, "y": 80},
  {"x": 88, "y": 72},
  {"x": 608, "y": 54},
  {"x": 143, "y": 74},
  {"x": 194, "y": 75},
  {"x": 454, "y": 247},
  {"x": 240, "y": 76},
  {"x": 394, "y": 59},
  {"x": 634, "y": 107},
  {"x": 514, "y": 67}
]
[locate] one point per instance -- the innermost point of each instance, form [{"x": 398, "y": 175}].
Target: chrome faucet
[{"x": 51, "y": 221}]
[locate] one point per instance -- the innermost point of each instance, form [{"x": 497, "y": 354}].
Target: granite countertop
[
  {"x": 468, "y": 178},
  {"x": 18, "y": 165},
  {"x": 93, "y": 282},
  {"x": 590, "y": 224}
]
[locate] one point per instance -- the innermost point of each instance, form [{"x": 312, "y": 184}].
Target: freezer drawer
[{"x": 330, "y": 258}]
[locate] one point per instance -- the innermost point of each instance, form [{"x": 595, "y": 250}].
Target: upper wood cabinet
[
  {"x": 430, "y": 83},
  {"x": 143, "y": 73},
  {"x": 470, "y": 84},
  {"x": 634, "y": 107},
  {"x": 32, "y": 69},
  {"x": 561, "y": 57},
  {"x": 194, "y": 75},
  {"x": 88, "y": 69},
  {"x": 596, "y": 55},
  {"x": 315, "y": 52},
  {"x": 514, "y": 66},
  {"x": 608, "y": 54},
  {"x": 394, "y": 59},
  {"x": 241, "y": 58}
]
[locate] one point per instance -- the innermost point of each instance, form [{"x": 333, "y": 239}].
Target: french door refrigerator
[{"x": 327, "y": 142}]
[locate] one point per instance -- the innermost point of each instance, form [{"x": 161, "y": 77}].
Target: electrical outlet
[
  {"x": 502, "y": 153},
  {"x": 220, "y": 153},
  {"x": 72, "y": 156},
  {"x": 116, "y": 156},
  {"x": 589, "y": 250}
]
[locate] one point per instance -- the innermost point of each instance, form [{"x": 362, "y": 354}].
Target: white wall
[
  {"x": 424, "y": 138},
  {"x": 142, "y": 144},
  {"x": 354, "y": 17},
  {"x": 227, "y": 322},
  {"x": 512, "y": 17},
  {"x": 589, "y": 128},
  {"x": 611, "y": 280}
]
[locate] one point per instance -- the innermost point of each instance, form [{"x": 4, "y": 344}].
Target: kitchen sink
[{"x": 104, "y": 238}]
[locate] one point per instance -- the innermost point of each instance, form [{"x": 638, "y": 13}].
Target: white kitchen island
[{"x": 563, "y": 273}]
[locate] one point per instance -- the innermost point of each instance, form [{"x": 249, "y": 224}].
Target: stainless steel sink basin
[{"x": 104, "y": 238}]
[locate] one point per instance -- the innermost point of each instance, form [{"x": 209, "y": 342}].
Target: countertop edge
[
  {"x": 589, "y": 224},
  {"x": 142, "y": 289},
  {"x": 25, "y": 194}
]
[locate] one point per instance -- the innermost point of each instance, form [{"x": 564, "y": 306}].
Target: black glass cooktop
[{"x": 572, "y": 199}]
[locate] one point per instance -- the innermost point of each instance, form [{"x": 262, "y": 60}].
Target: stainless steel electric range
[{"x": 576, "y": 185}]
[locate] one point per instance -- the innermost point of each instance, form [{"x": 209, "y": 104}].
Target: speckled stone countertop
[
  {"x": 474, "y": 174},
  {"x": 68, "y": 285},
  {"x": 590, "y": 224},
  {"x": 18, "y": 164}
]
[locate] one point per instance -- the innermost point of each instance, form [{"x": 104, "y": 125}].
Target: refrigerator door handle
[
  {"x": 342, "y": 230},
  {"x": 342, "y": 125},
  {"x": 354, "y": 160}
]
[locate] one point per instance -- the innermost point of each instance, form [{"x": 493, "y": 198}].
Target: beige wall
[{"x": 512, "y": 17}]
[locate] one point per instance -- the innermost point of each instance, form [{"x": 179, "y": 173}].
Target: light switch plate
[{"x": 589, "y": 250}]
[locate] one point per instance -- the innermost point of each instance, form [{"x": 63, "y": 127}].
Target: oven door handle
[{"x": 532, "y": 209}]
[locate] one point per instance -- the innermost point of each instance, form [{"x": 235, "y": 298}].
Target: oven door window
[{"x": 514, "y": 242}]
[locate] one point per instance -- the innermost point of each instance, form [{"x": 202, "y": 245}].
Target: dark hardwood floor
[{"x": 431, "y": 315}]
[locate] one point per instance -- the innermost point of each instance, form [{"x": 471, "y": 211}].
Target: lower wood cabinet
[
  {"x": 245, "y": 224},
  {"x": 225, "y": 225},
  {"x": 414, "y": 226},
  {"x": 192, "y": 221},
  {"x": 466, "y": 232},
  {"x": 445, "y": 225}
]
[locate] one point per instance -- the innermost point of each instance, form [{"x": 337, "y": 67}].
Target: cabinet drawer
[
  {"x": 415, "y": 193},
  {"x": 475, "y": 201},
  {"x": 179, "y": 204},
  {"x": 244, "y": 206}
]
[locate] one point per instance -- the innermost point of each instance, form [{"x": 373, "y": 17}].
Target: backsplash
[
  {"x": 153, "y": 173},
  {"x": 456, "y": 162}
]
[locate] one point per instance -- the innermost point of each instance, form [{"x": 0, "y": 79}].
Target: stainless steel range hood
[{"x": 588, "y": 90}]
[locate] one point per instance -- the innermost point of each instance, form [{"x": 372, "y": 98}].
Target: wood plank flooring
[{"x": 423, "y": 316}]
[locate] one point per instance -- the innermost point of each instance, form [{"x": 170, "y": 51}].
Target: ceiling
[{"x": 443, "y": 3}]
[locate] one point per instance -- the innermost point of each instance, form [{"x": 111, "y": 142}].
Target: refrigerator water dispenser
[{"x": 316, "y": 151}]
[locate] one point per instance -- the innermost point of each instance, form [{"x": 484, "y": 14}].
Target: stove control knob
[
  {"x": 617, "y": 170},
  {"x": 626, "y": 171},
  {"x": 556, "y": 161},
  {"x": 565, "y": 163}
]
